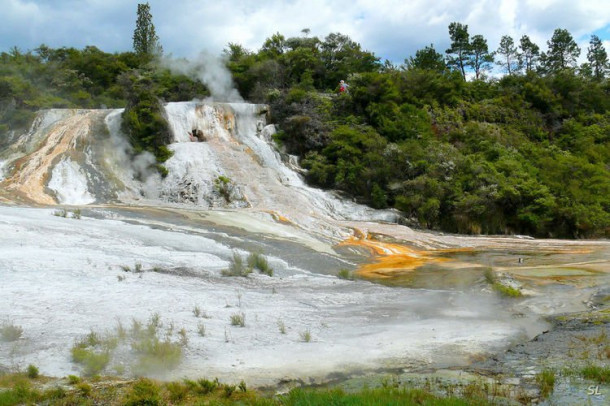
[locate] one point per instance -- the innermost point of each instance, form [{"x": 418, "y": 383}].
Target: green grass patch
[
  {"x": 546, "y": 382},
  {"x": 258, "y": 261},
  {"x": 237, "y": 267},
  {"x": 345, "y": 274},
  {"x": 596, "y": 373}
]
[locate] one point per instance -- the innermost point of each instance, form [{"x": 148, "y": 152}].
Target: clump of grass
[
  {"x": 507, "y": 291},
  {"x": 73, "y": 379},
  {"x": 229, "y": 389},
  {"x": 305, "y": 335},
  {"x": 92, "y": 353},
  {"x": 196, "y": 311},
  {"x": 155, "y": 354},
  {"x": 75, "y": 214},
  {"x": 84, "y": 388},
  {"x": 60, "y": 213},
  {"x": 184, "y": 339},
  {"x": 236, "y": 267},
  {"x": 120, "y": 278},
  {"x": 546, "y": 382},
  {"x": 201, "y": 329},
  {"x": 258, "y": 261},
  {"x": 502, "y": 289},
  {"x": 92, "y": 361},
  {"x": 177, "y": 391},
  {"x": 596, "y": 373},
  {"x": 148, "y": 352},
  {"x": 281, "y": 326},
  {"x": 238, "y": 319},
  {"x": 143, "y": 392},
  {"x": 345, "y": 274},
  {"x": 10, "y": 332}
]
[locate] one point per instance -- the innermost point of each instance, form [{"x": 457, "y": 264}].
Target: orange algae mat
[{"x": 391, "y": 259}]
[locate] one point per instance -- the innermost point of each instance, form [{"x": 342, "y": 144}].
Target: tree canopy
[{"x": 525, "y": 153}]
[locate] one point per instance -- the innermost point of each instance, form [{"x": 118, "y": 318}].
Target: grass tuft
[
  {"x": 546, "y": 382},
  {"x": 238, "y": 319},
  {"x": 236, "y": 267},
  {"x": 258, "y": 261}
]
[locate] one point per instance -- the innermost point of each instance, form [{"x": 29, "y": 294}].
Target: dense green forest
[{"x": 438, "y": 137}]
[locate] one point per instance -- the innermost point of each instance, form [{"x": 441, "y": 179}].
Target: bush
[
  {"x": 10, "y": 332},
  {"x": 32, "y": 372}
]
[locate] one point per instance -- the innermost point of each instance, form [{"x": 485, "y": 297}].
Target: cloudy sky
[{"x": 392, "y": 29}]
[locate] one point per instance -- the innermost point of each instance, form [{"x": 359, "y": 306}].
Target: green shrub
[{"x": 32, "y": 371}]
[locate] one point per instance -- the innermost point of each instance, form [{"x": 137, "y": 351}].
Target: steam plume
[{"x": 212, "y": 72}]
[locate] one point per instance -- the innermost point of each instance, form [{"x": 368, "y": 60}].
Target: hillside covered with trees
[{"x": 437, "y": 138}]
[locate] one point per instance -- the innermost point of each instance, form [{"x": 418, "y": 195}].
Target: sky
[{"x": 392, "y": 29}]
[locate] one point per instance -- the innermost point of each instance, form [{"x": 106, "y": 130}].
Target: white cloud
[{"x": 392, "y": 29}]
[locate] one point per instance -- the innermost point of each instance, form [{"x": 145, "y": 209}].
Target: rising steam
[{"x": 212, "y": 72}]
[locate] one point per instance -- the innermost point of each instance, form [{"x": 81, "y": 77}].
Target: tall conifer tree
[{"x": 145, "y": 39}]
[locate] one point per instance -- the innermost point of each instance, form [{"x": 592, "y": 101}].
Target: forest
[{"x": 440, "y": 138}]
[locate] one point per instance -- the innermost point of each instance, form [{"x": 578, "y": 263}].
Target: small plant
[
  {"x": 144, "y": 392},
  {"x": 345, "y": 274},
  {"x": 596, "y": 373},
  {"x": 258, "y": 261},
  {"x": 224, "y": 187},
  {"x": 281, "y": 326},
  {"x": 205, "y": 386},
  {"x": 76, "y": 214},
  {"x": 546, "y": 382},
  {"x": 73, "y": 379},
  {"x": 138, "y": 268},
  {"x": 32, "y": 372},
  {"x": 196, "y": 311},
  {"x": 242, "y": 386},
  {"x": 10, "y": 332},
  {"x": 125, "y": 268},
  {"x": 84, "y": 388},
  {"x": 238, "y": 319},
  {"x": 306, "y": 335},
  {"x": 120, "y": 278},
  {"x": 201, "y": 329},
  {"x": 502, "y": 289},
  {"x": 229, "y": 389},
  {"x": 177, "y": 391},
  {"x": 236, "y": 267},
  {"x": 60, "y": 213},
  {"x": 507, "y": 291},
  {"x": 184, "y": 340}
]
